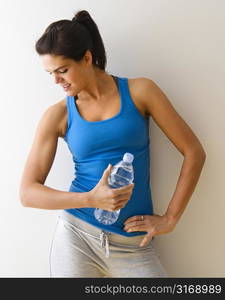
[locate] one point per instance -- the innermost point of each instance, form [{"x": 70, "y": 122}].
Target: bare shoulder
[
  {"x": 140, "y": 90},
  {"x": 140, "y": 82},
  {"x": 160, "y": 108},
  {"x": 56, "y": 117}
]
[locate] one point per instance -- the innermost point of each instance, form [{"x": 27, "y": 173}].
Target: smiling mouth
[{"x": 66, "y": 86}]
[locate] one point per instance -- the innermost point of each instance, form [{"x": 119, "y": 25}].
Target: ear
[{"x": 88, "y": 57}]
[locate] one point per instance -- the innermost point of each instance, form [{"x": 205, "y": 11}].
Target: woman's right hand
[{"x": 111, "y": 199}]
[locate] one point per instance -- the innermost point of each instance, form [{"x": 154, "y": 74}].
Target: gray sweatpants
[{"x": 81, "y": 250}]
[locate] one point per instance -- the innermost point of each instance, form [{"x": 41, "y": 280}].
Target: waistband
[{"x": 104, "y": 237}]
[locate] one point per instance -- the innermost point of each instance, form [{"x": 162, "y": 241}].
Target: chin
[{"x": 69, "y": 93}]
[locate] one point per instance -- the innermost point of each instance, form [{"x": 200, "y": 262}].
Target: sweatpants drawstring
[{"x": 104, "y": 240}]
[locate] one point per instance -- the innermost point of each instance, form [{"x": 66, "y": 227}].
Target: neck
[{"x": 96, "y": 87}]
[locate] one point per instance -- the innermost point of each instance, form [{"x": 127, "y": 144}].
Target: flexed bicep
[{"x": 43, "y": 150}]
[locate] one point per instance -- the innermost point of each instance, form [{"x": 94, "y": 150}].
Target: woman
[{"x": 102, "y": 117}]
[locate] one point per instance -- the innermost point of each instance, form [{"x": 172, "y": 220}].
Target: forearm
[
  {"x": 187, "y": 181},
  {"x": 40, "y": 196}
]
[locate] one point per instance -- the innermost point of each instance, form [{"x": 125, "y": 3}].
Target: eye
[{"x": 63, "y": 71}]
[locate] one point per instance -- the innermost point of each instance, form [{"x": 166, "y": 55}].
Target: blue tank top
[{"x": 94, "y": 145}]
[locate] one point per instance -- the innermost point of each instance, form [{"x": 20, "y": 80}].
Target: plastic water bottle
[{"x": 121, "y": 174}]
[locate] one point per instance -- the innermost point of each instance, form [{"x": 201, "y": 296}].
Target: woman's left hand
[{"x": 152, "y": 224}]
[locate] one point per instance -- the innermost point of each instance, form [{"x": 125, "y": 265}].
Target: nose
[{"x": 57, "y": 79}]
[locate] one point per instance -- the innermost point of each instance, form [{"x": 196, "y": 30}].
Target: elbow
[
  {"x": 202, "y": 155},
  {"x": 197, "y": 154},
  {"x": 23, "y": 197}
]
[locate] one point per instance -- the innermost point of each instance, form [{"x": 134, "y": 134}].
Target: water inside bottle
[{"x": 120, "y": 177}]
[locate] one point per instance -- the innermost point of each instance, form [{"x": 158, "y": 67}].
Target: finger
[
  {"x": 123, "y": 196},
  {"x": 136, "y": 228},
  {"x": 106, "y": 174},
  {"x": 134, "y": 224},
  {"x": 146, "y": 239},
  {"x": 132, "y": 219},
  {"x": 121, "y": 204},
  {"x": 125, "y": 188}
]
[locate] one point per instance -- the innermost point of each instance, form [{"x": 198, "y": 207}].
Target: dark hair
[{"x": 73, "y": 38}]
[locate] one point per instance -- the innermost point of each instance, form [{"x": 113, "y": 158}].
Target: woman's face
[{"x": 71, "y": 75}]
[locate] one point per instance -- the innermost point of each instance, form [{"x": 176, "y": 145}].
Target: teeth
[{"x": 65, "y": 86}]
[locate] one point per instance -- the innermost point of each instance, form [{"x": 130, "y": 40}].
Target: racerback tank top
[{"x": 95, "y": 144}]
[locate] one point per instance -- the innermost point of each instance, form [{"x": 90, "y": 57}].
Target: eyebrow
[{"x": 57, "y": 68}]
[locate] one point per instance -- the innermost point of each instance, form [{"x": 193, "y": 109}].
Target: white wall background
[{"x": 180, "y": 45}]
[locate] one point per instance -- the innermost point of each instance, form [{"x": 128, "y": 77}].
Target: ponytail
[{"x": 98, "y": 52}]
